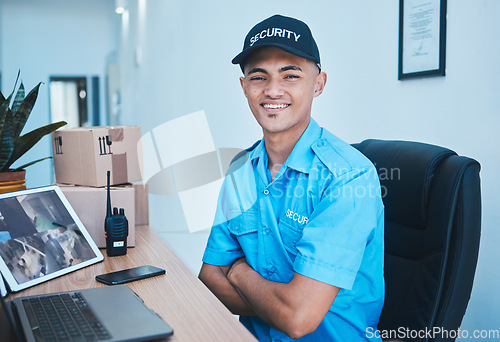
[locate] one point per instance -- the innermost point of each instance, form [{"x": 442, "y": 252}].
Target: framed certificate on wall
[{"x": 422, "y": 38}]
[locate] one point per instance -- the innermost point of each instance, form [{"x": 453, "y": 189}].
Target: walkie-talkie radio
[{"x": 115, "y": 228}]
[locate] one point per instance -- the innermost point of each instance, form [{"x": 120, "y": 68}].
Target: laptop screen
[{"x": 41, "y": 237}]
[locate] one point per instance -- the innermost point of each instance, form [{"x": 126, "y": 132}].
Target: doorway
[{"x": 71, "y": 100}]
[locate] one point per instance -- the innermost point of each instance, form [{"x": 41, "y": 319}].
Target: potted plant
[{"x": 13, "y": 116}]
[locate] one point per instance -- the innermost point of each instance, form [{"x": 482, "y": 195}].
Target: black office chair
[{"x": 432, "y": 229}]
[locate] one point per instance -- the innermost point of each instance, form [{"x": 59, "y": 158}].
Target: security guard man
[{"x": 296, "y": 248}]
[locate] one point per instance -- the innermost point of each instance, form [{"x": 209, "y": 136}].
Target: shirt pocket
[
  {"x": 290, "y": 235},
  {"x": 245, "y": 226}
]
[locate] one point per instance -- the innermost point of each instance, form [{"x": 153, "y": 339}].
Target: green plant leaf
[
  {"x": 4, "y": 109},
  {"x": 31, "y": 163},
  {"x": 18, "y": 99},
  {"x": 23, "y": 113},
  {"x": 15, "y": 85},
  {"x": 27, "y": 141},
  {"x": 6, "y": 141}
]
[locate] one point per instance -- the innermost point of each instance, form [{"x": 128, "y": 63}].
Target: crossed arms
[{"x": 296, "y": 308}]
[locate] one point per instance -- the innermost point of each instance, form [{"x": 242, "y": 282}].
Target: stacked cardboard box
[
  {"x": 141, "y": 204},
  {"x": 90, "y": 205},
  {"x": 82, "y": 157}
]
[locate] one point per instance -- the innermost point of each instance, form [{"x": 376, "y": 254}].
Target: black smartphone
[{"x": 131, "y": 274}]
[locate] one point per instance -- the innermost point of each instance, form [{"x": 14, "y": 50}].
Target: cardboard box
[
  {"x": 82, "y": 156},
  {"x": 90, "y": 205},
  {"x": 141, "y": 204}
]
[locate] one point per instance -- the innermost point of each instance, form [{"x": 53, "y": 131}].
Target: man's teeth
[{"x": 275, "y": 106}]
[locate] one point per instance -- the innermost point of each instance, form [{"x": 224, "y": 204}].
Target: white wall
[
  {"x": 59, "y": 38},
  {"x": 187, "y": 47}
]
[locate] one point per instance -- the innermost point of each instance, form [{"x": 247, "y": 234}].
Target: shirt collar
[
  {"x": 259, "y": 150},
  {"x": 302, "y": 155}
]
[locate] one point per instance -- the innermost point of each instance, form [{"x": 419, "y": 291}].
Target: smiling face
[{"x": 280, "y": 88}]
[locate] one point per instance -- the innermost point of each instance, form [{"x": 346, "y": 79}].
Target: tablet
[
  {"x": 3, "y": 289},
  {"x": 41, "y": 237}
]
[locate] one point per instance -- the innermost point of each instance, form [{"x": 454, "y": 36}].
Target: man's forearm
[
  {"x": 262, "y": 295},
  {"x": 296, "y": 308},
  {"x": 214, "y": 277}
]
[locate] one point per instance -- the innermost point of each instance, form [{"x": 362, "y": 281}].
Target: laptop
[
  {"x": 113, "y": 313},
  {"x": 41, "y": 238}
]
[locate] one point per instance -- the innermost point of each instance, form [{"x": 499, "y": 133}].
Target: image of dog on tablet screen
[{"x": 39, "y": 236}]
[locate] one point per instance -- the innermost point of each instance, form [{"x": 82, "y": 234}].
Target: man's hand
[
  {"x": 215, "y": 278},
  {"x": 241, "y": 262},
  {"x": 296, "y": 308}
]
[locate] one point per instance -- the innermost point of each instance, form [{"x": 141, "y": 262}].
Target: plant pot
[{"x": 12, "y": 180}]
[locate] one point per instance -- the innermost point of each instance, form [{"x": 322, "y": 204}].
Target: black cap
[{"x": 289, "y": 34}]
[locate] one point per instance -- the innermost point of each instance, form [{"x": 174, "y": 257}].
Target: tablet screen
[{"x": 41, "y": 237}]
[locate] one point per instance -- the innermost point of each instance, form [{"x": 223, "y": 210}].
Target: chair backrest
[{"x": 432, "y": 229}]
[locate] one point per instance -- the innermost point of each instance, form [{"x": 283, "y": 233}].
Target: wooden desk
[{"x": 178, "y": 297}]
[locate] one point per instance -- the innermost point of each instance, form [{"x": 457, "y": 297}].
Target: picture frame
[{"x": 422, "y": 38}]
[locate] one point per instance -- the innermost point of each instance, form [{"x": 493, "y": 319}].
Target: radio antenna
[{"x": 108, "y": 209}]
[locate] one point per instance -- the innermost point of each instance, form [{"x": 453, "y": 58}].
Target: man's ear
[
  {"x": 242, "y": 82},
  {"x": 320, "y": 83}
]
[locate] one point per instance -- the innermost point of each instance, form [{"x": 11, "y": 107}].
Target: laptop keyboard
[{"x": 63, "y": 317}]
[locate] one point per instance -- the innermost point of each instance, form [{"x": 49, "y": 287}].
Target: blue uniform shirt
[{"x": 321, "y": 216}]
